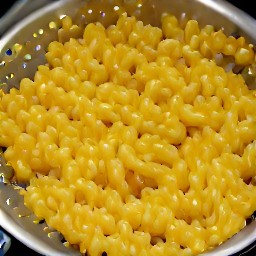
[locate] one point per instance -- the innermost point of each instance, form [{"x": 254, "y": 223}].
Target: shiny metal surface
[
  {"x": 14, "y": 217},
  {"x": 19, "y": 10}
]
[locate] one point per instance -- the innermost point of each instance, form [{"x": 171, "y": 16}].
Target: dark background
[{"x": 18, "y": 248}]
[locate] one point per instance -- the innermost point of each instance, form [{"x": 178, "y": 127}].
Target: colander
[{"x": 22, "y": 49}]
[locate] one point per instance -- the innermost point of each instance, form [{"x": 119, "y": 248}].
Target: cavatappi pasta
[{"x": 134, "y": 141}]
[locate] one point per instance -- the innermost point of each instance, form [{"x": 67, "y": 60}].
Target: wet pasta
[{"x": 134, "y": 140}]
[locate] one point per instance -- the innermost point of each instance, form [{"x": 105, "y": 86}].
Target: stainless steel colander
[{"x": 22, "y": 49}]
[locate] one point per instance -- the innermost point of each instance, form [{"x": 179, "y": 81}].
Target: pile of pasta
[{"x": 134, "y": 140}]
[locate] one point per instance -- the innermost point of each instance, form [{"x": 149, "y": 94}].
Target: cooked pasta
[{"x": 134, "y": 140}]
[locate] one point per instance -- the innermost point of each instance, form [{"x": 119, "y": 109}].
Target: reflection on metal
[{"x": 22, "y": 49}]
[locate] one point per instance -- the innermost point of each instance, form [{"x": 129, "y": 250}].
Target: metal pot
[{"x": 24, "y": 63}]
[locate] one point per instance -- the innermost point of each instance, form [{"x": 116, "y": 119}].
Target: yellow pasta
[{"x": 134, "y": 140}]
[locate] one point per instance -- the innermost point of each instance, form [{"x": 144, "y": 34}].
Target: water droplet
[
  {"x": 90, "y": 11},
  {"x": 2, "y": 63},
  {"x": 35, "y": 35},
  {"x": 24, "y": 65}
]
